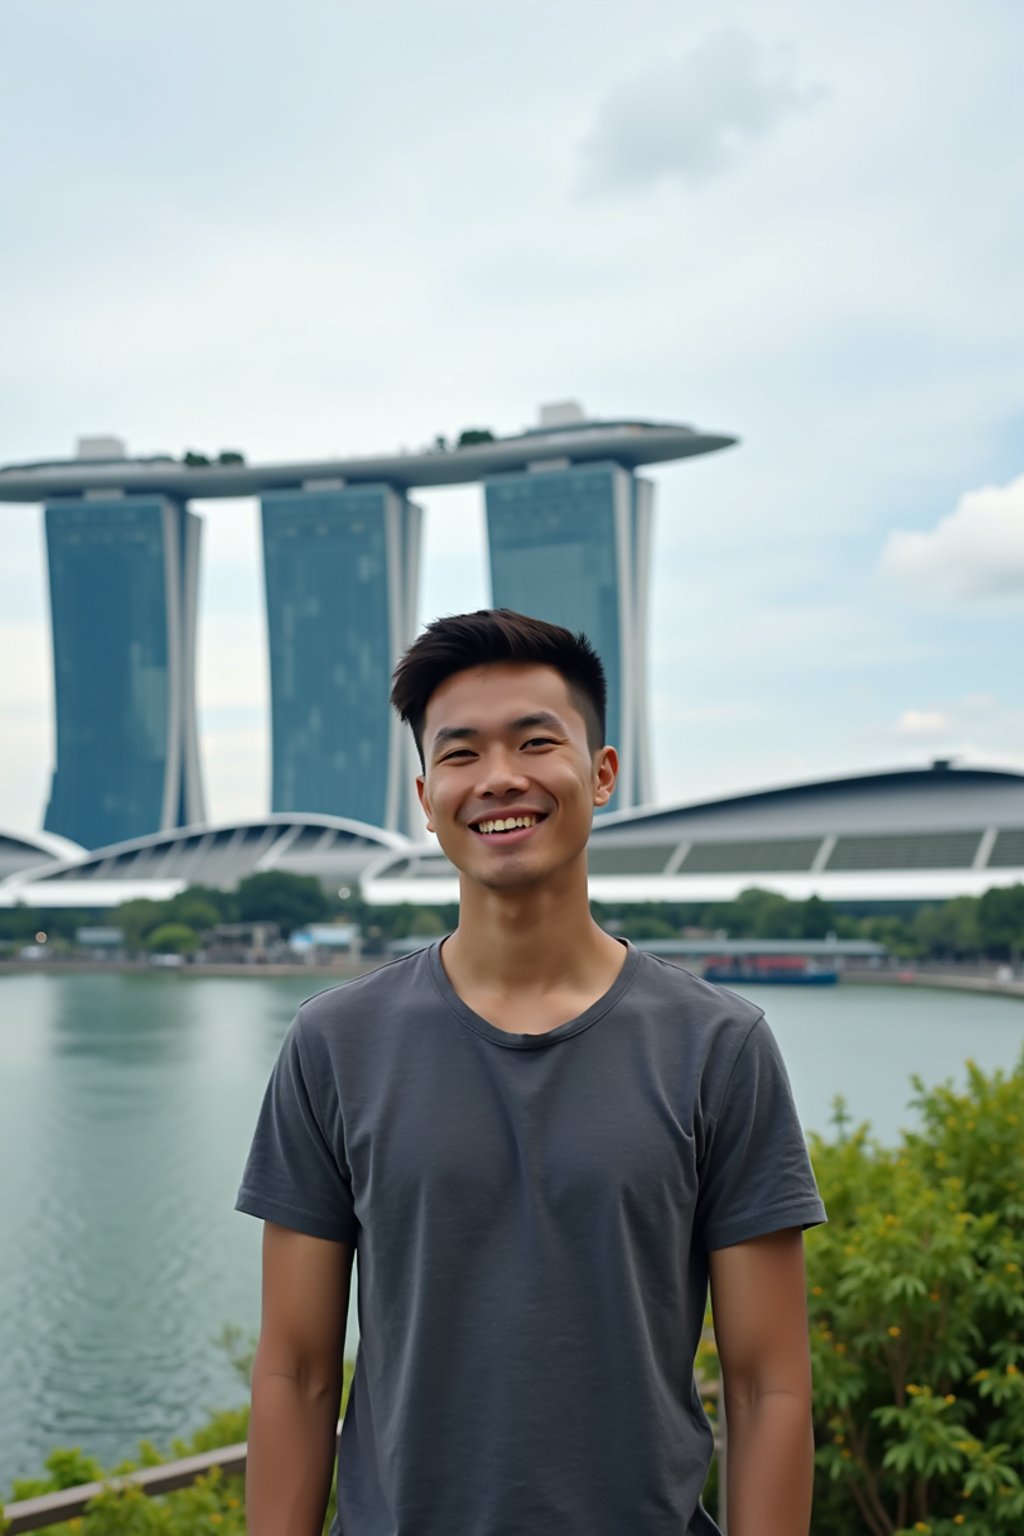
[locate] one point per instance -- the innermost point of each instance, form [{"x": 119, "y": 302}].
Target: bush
[
  {"x": 917, "y": 1319},
  {"x": 172, "y": 939},
  {"x": 213, "y": 1506}
]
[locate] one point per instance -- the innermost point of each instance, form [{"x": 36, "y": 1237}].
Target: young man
[{"x": 543, "y": 1144}]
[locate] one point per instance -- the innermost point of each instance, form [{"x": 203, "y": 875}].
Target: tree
[
  {"x": 172, "y": 939},
  {"x": 230, "y": 456},
  {"x": 193, "y": 910},
  {"x": 195, "y": 460},
  {"x": 138, "y": 919},
  {"x": 473, "y": 435},
  {"x": 275, "y": 896},
  {"x": 426, "y": 924},
  {"x": 817, "y": 920},
  {"x": 1001, "y": 921},
  {"x": 917, "y": 1320}
]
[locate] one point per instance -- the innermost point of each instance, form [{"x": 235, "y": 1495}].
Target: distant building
[
  {"x": 341, "y": 571},
  {"x": 869, "y": 842},
  {"x": 123, "y": 582},
  {"x": 162, "y": 864},
  {"x": 242, "y": 943},
  {"x": 571, "y": 544}
]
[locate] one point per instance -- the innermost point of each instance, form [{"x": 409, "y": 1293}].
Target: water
[{"x": 126, "y": 1107}]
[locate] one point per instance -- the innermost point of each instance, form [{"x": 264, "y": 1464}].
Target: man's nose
[{"x": 500, "y": 772}]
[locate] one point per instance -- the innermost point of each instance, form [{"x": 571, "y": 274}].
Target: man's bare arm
[
  {"x": 296, "y": 1382},
  {"x": 759, "y": 1301}
]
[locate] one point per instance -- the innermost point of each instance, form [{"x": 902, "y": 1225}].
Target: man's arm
[
  {"x": 296, "y": 1382},
  {"x": 759, "y": 1301}
]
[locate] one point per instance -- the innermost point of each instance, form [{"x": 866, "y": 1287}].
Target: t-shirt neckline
[{"x": 514, "y": 1042}]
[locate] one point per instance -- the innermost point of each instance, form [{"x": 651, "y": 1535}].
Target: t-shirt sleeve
[
  {"x": 296, "y": 1173},
  {"x": 755, "y": 1175}
]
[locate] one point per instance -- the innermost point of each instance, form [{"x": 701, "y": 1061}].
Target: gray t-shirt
[{"x": 533, "y": 1215}]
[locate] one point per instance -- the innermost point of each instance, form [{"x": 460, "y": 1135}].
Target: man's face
[{"x": 510, "y": 783}]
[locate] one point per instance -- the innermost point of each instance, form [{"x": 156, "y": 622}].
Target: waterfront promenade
[{"x": 990, "y": 980}]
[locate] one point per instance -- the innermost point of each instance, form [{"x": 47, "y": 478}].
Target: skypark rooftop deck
[{"x": 629, "y": 443}]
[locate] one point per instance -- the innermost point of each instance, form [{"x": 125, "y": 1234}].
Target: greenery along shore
[
  {"x": 917, "y": 1333},
  {"x": 984, "y": 928}
]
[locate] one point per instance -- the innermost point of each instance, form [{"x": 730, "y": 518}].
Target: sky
[{"x": 328, "y": 229}]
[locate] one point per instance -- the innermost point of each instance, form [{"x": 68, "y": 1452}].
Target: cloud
[
  {"x": 977, "y": 728},
  {"x": 976, "y": 552},
  {"x": 695, "y": 118},
  {"x": 922, "y": 722}
]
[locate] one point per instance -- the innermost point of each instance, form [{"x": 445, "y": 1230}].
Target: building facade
[
  {"x": 341, "y": 567},
  {"x": 123, "y": 576},
  {"x": 572, "y": 545}
]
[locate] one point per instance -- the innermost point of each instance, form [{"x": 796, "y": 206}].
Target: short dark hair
[{"x": 494, "y": 635}]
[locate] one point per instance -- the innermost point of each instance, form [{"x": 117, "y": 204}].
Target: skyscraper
[
  {"x": 572, "y": 545},
  {"x": 341, "y": 566},
  {"x": 123, "y": 583}
]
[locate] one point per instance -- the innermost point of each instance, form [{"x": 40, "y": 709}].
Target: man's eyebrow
[{"x": 541, "y": 718}]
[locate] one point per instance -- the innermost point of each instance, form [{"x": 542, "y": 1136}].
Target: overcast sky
[{"x": 325, "y": 228}]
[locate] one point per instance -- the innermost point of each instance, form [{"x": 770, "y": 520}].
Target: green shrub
[
  {"x": 917, "y": 1320},
  {"x": 213, "y": 1506}
]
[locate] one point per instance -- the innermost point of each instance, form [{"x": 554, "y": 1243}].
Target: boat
[{"x": 771, "y": 970}]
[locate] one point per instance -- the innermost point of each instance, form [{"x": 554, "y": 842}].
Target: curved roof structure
[
  {"x": 629, "y": 443},
  {"x": 333, "y": 848},
  {"x": 25, "y": 850},
  {"x": 921, "y": 834}
]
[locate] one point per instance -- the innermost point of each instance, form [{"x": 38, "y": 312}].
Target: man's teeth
[{"x": 509, "y": 824}]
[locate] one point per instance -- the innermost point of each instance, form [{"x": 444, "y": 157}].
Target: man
[{"x": 543, "y": 1144}]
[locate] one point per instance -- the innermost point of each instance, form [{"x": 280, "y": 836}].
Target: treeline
[
  {"x": 179, "y": 925},
  {"x": 988, "y": 927},
  {"x": 984, "y": 928}
]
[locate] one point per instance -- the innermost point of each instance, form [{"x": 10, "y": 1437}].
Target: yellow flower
[
  {"x": 1011, "y": 1370},
  {"x": 1011, "y": 1269},
  {"x": 958, "y": 1519},
  {"x": 840, "y": 1349},
  {"x": 934, "y": 1296},
  {"x": 922, "y": 1525},
  {"x": 949, "y": 1398},
  {"x": 893, "y": 1332},
  {"x": 817, "y": 1290}
]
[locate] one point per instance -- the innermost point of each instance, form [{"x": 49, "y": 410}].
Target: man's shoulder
[
  {"x": 362, "y": 997},
  {"x": 704, "y": 1002}
]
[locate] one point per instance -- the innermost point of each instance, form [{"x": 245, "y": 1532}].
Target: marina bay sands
[{"x": 569, "y": 532}]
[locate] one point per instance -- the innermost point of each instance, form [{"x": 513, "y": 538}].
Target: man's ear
[
  {"x": 606, "y": 771},
  {"x": 421, "y": 790}
]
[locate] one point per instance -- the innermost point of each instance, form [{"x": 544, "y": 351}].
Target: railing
[{"x": 70, "y": 1503}]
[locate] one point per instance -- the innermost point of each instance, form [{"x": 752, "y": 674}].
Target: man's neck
[{"x": 529, "y": 942}]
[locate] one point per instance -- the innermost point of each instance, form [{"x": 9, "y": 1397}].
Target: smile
[{"x": 501, "y": 826}]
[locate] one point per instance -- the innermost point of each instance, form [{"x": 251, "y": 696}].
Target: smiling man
[{"x": 543, "y": 1145}]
